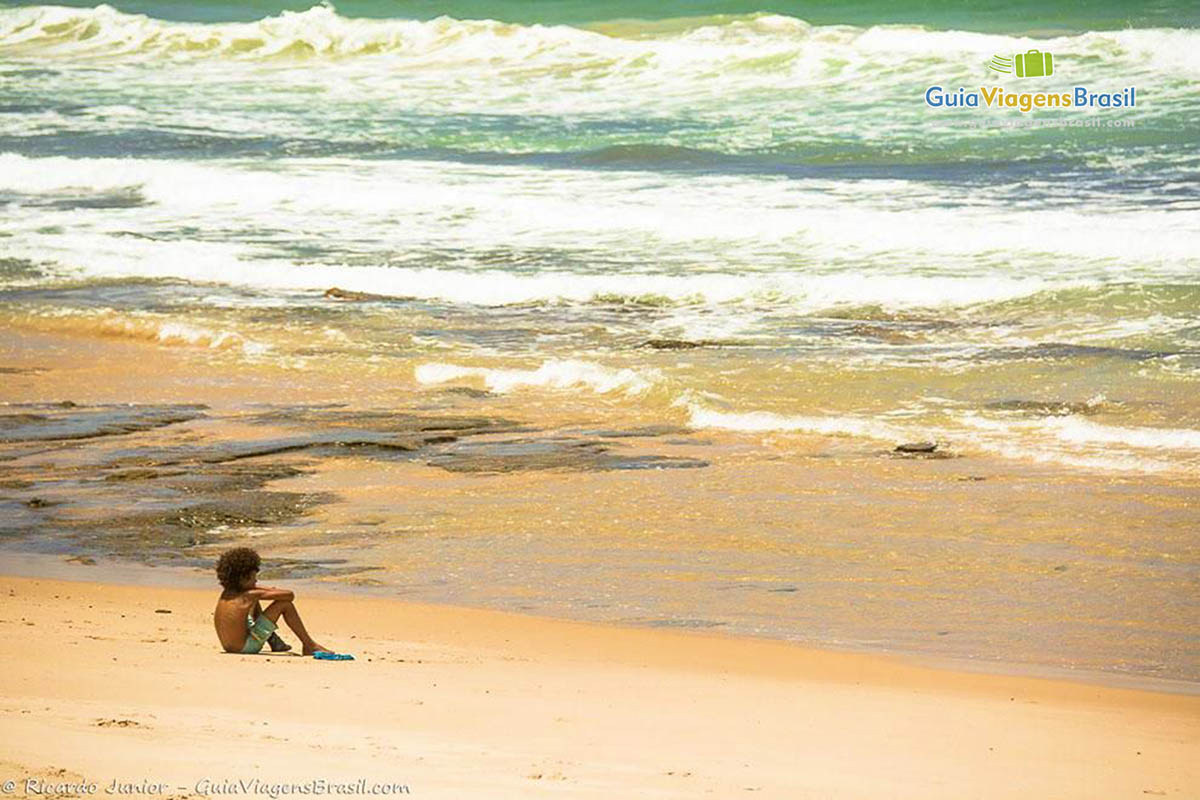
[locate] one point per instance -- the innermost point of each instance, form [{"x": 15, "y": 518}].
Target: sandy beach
[{"x": 108, "y": 682}]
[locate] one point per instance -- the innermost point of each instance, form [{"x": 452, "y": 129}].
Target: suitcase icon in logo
[{"x": 1034, "y": 64}]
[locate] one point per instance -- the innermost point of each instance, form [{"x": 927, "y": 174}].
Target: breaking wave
[{"x": 759, "y": 42}]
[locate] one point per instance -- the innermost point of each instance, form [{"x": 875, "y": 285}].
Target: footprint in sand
[
  {"x": 551, "y": 776},
  {"x": 118, "y": 723}
]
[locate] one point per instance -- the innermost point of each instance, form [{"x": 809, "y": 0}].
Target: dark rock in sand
[
  {"x": 343, "y": 294},
  {"x": 643, "y": 431},
  {"x": 381, "y": 421},
  {"x": 549, "y": 454},
  {"x": 66, "y": 421},
  {"x": 41, "y": 502},
  {"x": 920, "y": 450},
  {"x": 157, "y": 501},
  {"x": 165, "y": 498},
  {"x": 327, "y": 442},
  {"x": 232, "y": 509},
  {"x": 468, "y": 391},
  {"x": 681, "y": 344},
  {"x": 169, "y": 533},
  {"x": 140, "y": 475},
  {"x": 309, "y": 568},
  {"x": 917, "y": 447}
]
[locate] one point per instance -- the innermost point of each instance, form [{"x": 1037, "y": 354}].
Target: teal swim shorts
[{"x": 257, "y": 633}]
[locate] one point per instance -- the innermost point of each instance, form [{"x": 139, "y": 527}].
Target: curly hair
[{"x": 234, "y": 565}]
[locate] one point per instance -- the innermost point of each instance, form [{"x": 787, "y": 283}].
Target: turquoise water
[{"x": 1009, "y": 17}]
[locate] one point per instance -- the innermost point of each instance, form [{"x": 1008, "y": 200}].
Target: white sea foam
[
  {"x": 714, "y": 240},
  {"x": 1084, "y": 443},
  {"x": 228, "y": 264},
  {"x": 1084, "y": 431},
  {"x": 765, "y": 421},
  {"x": 1128, "y": 328},
  {"x": 765, "y": 41},
  {"x": 552, "y": 374},
  {"x": 1068, "y": 441},
  {"x": 146, "y": 327},
  {"x": 1113, "y": 462},
  {"x": 179, "y": 333},
  {"x": 1076, "y": 431}
]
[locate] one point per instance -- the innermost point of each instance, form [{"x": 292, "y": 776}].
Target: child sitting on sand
[{"x": 243, "y": 625}]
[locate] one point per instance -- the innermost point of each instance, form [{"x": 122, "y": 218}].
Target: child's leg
[
  {"x": 277, "y": 644},
  {"x": 287, "y": 610}
]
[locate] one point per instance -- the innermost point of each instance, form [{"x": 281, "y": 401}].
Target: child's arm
[{"x": 269, "y": 593}]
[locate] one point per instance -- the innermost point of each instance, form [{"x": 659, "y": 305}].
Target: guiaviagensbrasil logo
[{"x": 1030, "y": 64}]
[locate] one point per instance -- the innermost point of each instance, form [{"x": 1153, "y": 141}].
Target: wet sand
[
  {"x": 572, "y": 509},
  {"x": 111, "y": 682}
]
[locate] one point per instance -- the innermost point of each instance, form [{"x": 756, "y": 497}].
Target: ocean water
[
  {"x": 549, "y": 194},
  {"x": 741, "y": 219}
]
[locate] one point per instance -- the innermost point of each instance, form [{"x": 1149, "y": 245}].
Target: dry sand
[{"x": 99, "y": 685}]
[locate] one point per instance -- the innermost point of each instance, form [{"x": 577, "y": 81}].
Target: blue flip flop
[{"x": 325, "y": 655}]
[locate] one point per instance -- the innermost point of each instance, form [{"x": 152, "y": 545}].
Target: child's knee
[{"x": 277, "y": 609}]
